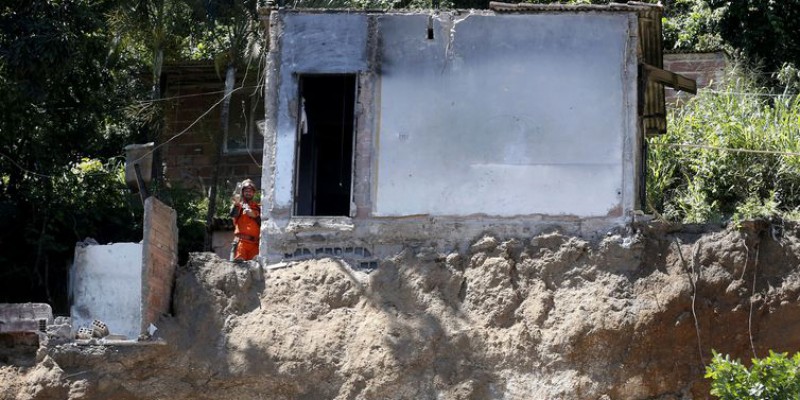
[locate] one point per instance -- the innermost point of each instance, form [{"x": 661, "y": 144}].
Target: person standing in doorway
[{"x": 246, "y": 214}]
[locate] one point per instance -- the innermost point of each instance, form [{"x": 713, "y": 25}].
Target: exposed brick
[{"x": 704, "y": 68}]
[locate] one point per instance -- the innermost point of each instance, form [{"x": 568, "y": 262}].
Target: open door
[{"x": 324, "y": 170}]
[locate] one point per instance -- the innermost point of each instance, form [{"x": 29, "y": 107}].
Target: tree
[
  {"x": 63, "y": 102},
  {"x": 233, "y": 36},
  {"x": 764, "y": 31},
  {"x": 153, "y": 32}
]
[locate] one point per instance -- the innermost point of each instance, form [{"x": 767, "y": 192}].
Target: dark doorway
[{"x": 325, "y": 145}]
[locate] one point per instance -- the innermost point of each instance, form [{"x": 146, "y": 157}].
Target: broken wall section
[
  {"x": 127, "y": 285},
  {"x": 160, "y": 257},
  {"x": 106, "y": 285}
]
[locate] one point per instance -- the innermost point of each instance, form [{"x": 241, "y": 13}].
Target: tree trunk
[
  {"x": 230, "y": 78},
  {"x": 157, "y": 121}
]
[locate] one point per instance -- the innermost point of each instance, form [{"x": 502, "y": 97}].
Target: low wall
[
  {"x": 106, "y": 285},
  {"x": 127, "y": 286},
  {"x": 159, "y": 259}
]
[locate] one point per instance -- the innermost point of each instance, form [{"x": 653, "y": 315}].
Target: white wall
[
  {"x": 311, "y": 44},
  {"x": 504, "y": 115},
  {"x": 499, "y": 114},
  {"x": 107, "y": 285}
]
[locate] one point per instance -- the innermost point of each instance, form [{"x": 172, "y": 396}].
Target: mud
[{"x": 547, "y": 317}]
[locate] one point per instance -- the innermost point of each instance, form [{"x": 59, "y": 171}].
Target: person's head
[{"x": 248, "y": 189}]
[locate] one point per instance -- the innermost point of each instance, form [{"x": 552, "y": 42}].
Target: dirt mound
[{"x": 550, "y": 317}]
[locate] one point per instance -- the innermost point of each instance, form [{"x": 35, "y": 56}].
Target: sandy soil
[{"x": 548, "y": 317}]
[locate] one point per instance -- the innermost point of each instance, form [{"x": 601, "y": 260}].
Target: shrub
[
  {"x": 721, "y": 157},
  {"x": 774, "y": 377}
]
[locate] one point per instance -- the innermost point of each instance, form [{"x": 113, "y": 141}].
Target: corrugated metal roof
[
  {"x": 527, "y": 7},
  {"x": 652, "y": 109}
]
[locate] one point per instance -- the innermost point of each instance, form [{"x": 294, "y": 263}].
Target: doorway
[{"x": 325, "y": 145}]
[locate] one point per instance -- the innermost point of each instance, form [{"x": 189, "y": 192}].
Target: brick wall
[
  {"x": 192, "y": 121},
  {"x": 707, "y": 69},
  {"x": 160, "y": 257}
]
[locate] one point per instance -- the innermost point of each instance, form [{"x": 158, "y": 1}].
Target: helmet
[{"x": 248, "y": 183}]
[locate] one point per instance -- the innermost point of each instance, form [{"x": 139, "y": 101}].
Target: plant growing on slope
[
  {"x": 776, "y": 376},
  {"x": 729, "y": 153}
]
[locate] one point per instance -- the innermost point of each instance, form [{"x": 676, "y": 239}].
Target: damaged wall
[
  {"x": 504, "y": 115},
  {"x": 107, "y": 285},
  {"x": 464, "y": 123},
  {"x": 127, "y": 285},
  {"x": 160, "y": 257}
]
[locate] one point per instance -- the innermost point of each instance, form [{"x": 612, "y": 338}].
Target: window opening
[
  {"x": 325, "y": 145},
  {"x": 243, "y": 133}
]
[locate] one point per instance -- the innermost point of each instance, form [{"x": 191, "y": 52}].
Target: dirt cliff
[{"x": 548, "y": 317}]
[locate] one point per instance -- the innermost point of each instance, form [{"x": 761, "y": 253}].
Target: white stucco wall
[
  {"x": 500, "y": 115},
  {"x": 311, "y": 44},
  {"x": 504, "y": 115},
  {"x": 107, "y": 285}
]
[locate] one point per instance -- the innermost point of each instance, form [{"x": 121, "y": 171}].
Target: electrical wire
[
  {"x": 730, "y": 149},
  {"x": 736, "y": 93},
  {"x": 191, "y": 95},
  {"x": 213, "y": 106}
]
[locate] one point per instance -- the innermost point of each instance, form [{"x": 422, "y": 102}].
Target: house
[
  {"x": 428, "y": 129},
  {"x": 706, "y": 68},
  {"x": 193, "y": 95},
  {"x": 192, "y": 109}
]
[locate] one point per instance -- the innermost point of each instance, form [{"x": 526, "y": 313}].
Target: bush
[
  {"x": 694, "y": 174},
  {"x": 774, "y": 377}
]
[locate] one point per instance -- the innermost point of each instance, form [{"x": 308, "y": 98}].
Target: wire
[
  {"x": 714, "y": 91},
  {"x": 213, "y": 106},
  {"x": 733, "y": 150},
  {"x": 191, "y": 95},
  {"x": 23, "y": 169}
]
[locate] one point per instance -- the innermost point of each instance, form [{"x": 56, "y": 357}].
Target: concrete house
[{"x": 428, "y": 129}]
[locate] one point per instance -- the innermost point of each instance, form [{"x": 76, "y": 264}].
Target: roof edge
[
  {"x": 527, "y": 7},
  {"x": 495, "y": 6}
]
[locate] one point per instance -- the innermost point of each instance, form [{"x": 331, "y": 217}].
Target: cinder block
[
  {"x": 25, "y": 317},
  {"x": 99, "y": 329}
]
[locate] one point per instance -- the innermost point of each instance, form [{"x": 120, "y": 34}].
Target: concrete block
[{"x": 25, "y": 317}]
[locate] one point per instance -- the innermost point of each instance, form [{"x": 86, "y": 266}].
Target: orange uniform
[
  {"x": 247, "y": 230},
  {"x": 246, "y": 214}
]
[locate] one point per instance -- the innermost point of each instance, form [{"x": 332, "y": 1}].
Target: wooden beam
[{"x": 669, "y": 79}]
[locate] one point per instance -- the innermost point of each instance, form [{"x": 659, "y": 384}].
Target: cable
[
  {"x": 714, "y": 91},
  {"x": 23, "y": 168},
  {"x": 730, "y": 149},
  {"x": 213, "y": 106},
  {"x": 15, "y": 163},
  {"x": 190, "y": 95},
  {"x": 144, "y": 155}
]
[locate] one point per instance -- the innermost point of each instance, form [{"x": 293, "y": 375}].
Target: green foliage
[
  {"x": 765, "y": 31},
  {"x": 93, "y": 200},
  {"x": 755, "y": 207},
  {"x": 774, "y": 377},
  {"x": 63, "y": 122},
  {"x": 692, "y": 25},
  {"x": 191, "y": 207},
  {"x": 704, "y": 179}
]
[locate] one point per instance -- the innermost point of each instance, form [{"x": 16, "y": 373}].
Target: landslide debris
[{"x": 547, "y": 317}]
